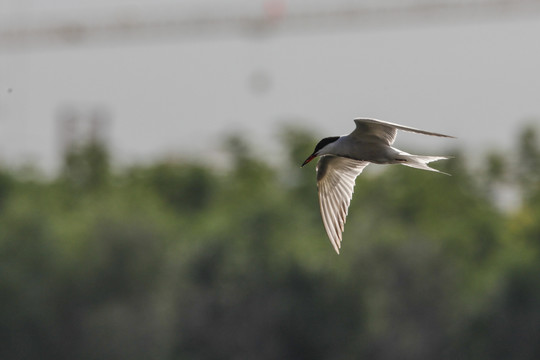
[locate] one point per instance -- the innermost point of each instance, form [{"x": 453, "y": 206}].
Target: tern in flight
[{"x": 342, "y": 159}]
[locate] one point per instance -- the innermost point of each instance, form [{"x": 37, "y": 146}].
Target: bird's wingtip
[{"x": 337, "y": 247}]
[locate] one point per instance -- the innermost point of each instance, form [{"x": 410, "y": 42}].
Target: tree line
[{"x": 180, "y": 260}]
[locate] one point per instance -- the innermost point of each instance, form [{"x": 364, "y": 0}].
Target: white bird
[{"x": 342, "y": 159}]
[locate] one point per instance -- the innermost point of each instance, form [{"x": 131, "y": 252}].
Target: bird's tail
[{"x": 420, "y": 161}]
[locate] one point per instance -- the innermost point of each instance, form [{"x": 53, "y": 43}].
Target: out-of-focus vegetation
[{"x": 177, "y": 260}]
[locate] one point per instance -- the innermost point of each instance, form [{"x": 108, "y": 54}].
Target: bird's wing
[
  {"x": 335, "y": 179},
  {"x": 385, "y": 131}
]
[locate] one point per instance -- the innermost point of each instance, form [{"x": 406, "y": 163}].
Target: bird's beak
[{"x": 311, "y": 157}]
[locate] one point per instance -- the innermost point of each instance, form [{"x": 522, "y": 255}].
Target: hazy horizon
[{"x": 477, "y": 81}]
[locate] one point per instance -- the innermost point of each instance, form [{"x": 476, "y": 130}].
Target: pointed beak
[{"x": 311, "y": 157}]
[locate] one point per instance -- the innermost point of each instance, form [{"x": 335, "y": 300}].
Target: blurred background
[{"x": 152, "y": 204}]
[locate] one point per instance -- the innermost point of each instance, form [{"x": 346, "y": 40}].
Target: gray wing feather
[
  {"x": 335, "y": 180},
  {"x": 385, "y": 131}
]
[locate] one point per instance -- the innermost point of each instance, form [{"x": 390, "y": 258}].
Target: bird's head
[{"x": 320, "y": 148}]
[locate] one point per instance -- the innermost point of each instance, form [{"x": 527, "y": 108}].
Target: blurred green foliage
[{"x": 177, "y": 260}]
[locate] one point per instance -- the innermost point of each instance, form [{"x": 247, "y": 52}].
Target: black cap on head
[
  {"x": 319, "y": 146},
  {"x": 325, "y": 142}
]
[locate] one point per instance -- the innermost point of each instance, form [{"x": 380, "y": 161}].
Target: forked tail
[{"x": 420, "y": 161}]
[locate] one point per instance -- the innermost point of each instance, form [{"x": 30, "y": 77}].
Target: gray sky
[{"x": 479, "y": 81}]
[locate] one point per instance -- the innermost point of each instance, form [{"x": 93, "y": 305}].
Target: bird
[{"x": 343, "y": 158}]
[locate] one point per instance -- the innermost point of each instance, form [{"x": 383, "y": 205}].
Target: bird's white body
[
  {"x": 343, "y": 158},
  {"x": 353, "y": 147}
]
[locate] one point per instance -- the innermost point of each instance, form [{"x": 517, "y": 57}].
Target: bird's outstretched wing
[
  {"x": 335, "y": 179},
  {"x": 385, "y": 131}
]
